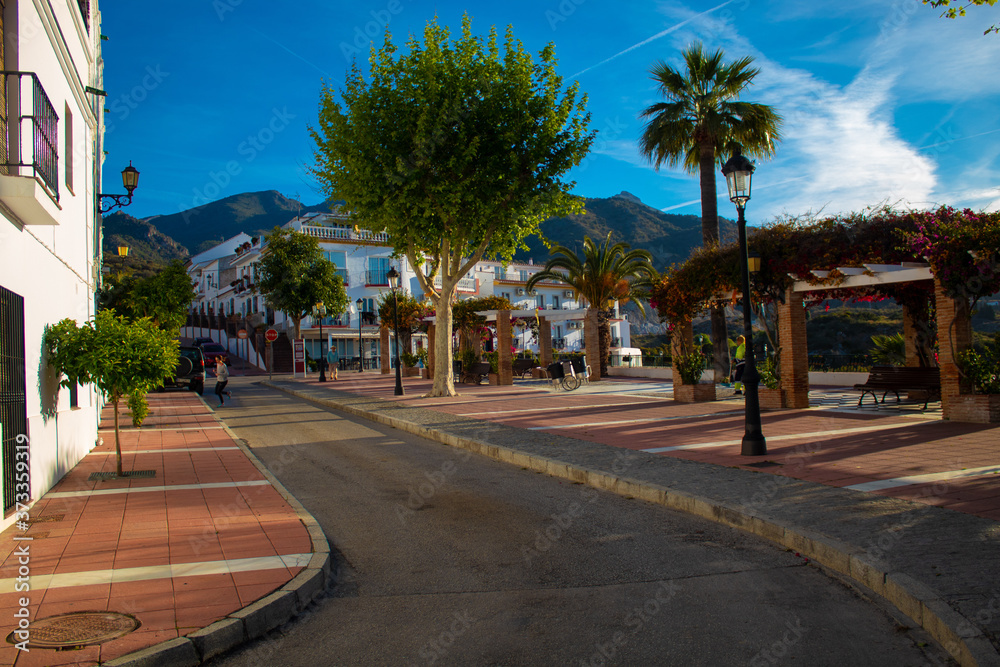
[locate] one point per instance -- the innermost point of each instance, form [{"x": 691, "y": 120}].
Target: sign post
[
  {"x": 298, "y": 356},
  {"x": 270, "y": 336},
  {"x": 242, "y": 335}
]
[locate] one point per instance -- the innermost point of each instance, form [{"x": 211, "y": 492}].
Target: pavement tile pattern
[{"x": 205, "y": 537}]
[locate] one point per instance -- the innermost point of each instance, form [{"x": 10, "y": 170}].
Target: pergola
[
  {"x": 954, "y": 333},
  {"x": 505, "y": 337}
]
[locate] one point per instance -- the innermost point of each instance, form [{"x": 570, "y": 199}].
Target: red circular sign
[
  {"x": 271, "y": 335},
  {"x": 242, "y": 333}
]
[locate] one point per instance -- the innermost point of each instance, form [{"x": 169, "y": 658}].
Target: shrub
[{"x": 690, "y": 366}]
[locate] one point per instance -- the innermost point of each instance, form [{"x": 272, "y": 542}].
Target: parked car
[
  {"x": 213, "y": 351},
  {"x": 198, "y": 342},
  {"x": 190, "y": 371}
]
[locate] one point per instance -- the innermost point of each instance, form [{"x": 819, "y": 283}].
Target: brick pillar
[
  {"x": 384, "y": 344},
  {"x": 592, "y": 341},
  {"x": 544, "y": 342},
  {"x": 681, "y": 342},
  {"x": 431, "y": 335},
  {"x": 910, "y": 328},
  {"x": 794, "y": 360},
  {"x": 918, "y": 334},
  {"x": 954, "y": 336},
  {"x": 505, "y": 369}
]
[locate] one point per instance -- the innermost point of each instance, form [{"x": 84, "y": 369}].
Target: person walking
[
  {"x": 741, "y": 354},
  {"x": 221, "y": 379},
  {"x": 333, "y": 359}
]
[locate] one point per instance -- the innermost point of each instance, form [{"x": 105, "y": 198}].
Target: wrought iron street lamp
[
  {"x": 130, "y": 179},
  {"x": 738, "y": 171},
  {"x": 393, "y": 276},
  {"x": 319, "y": 312},
  {"x": 361, "y": 352}
]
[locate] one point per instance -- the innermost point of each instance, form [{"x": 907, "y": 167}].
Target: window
[
  {"x": 523, "y": 275},
  {"x": 255, "y": 309},
  {"x": 338, "y": 259},
  {"x": 505, "y": 295},
  {"x": 541, "y": 301},
  {"x": 74, "y": 397},
  {"x": 68, "y": 155},
  {"x": 555, "y": 302},
  {"x": 499, "y": 273},
  {"x": 559, "y": 331}
]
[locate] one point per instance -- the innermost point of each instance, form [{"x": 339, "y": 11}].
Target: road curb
[
  {"x": 258, "y": 618},
  {"x": 962, "y": 639}
]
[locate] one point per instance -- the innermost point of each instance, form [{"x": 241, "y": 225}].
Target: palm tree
[
  {"x": 606, "y": 273},
  {"x": 695, "y": 127}
]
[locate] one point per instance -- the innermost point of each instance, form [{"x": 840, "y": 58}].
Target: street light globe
[
  {"x": 130, "y": 178},
  {"x": 738, "y": 171},
  {"x": 393, "y": 277}
]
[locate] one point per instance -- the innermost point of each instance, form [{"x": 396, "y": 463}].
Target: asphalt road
[{"x": 449, "y": 558}]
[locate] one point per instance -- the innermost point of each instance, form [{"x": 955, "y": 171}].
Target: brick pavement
[{"x": 207, "y": 536}]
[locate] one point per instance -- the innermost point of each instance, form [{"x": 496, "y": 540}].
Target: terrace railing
[{"x": 29, "y": 130}]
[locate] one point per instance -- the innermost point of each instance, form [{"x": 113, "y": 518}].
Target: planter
[
  {"x": 973, "y": 408},
  {"x": 494, "y": 379},
  {"x": 539, "y": 374},
  {"x": 694, "y": 393},
  {"x": 771, "y": 399},
  {"x": 410, "y": 371}
]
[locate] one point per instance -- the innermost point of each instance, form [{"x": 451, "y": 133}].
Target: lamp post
[
  {"x": 319, "y": 312},
  {"x": 361, "y": 353},
  {"x": 393, "y": 276},
  {"x": 738, "y": 172},
  {"x": 130, "y": 179}
]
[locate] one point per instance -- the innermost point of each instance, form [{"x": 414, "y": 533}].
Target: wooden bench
[
  {"x": 522, "y": 367},
  {"x": 477, "y": 373},
  {"x": 901, "y": 378}
]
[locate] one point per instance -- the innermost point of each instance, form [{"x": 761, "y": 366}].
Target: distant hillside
[
  {"x": 670, "y": 238},
  {"x": 146, "y": 243},
  {"x": 251, "y": 212}
]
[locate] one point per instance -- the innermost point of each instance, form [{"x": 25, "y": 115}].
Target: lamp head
[
  {"x": 753, "y": 261},
  {"x": 393, "y": 276},
  {"x": 738, "y": 171},
  {"x": 130, "y": 178}
]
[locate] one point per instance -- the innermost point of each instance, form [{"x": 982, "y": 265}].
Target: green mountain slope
[{"x": 670, "y": 238}]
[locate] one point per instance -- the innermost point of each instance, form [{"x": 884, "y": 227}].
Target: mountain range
[{"x": 161, "y": 238}]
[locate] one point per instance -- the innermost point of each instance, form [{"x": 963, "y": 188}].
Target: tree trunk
[
  {"x": 604, "y": 332},
  {"x": 710, "y": 236},
  {"x": 444, "y": 379},
  {"x": 118, "y": 443}
]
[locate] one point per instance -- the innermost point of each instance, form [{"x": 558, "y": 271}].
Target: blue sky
[{"x": 884, "y": 102}]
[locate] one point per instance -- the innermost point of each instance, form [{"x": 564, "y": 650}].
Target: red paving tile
[{"x": 154, "y": 528}]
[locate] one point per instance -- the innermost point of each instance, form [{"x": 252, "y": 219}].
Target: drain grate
[
  {"x": 77, "y": 629},
  {"x": 127, "y": 474},
  {"x": 44, "y": 518},
  {"x": 763, "y": 464}
]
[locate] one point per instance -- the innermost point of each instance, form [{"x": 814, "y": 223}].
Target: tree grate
[{"x": 127, "y": 474}]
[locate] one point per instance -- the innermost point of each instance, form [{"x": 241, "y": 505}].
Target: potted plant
[
  {"x": 770, "y": 396},
  {"x": 981, "y": 370},
  {"x": 690, "y": 389},
  {"x": 494, "y": 359},
  {"x": 409, "y": 361}
]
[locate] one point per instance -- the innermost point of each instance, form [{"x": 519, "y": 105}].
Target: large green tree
[
  {"x": 122, "y": 358},
  {"x": 295, "y": 276},
  {"x": 955, "y": 8},
  {"x": 701, "y": 117},
  {"x": 456, "y": 149},
  {"x": 604, "y": 274}
]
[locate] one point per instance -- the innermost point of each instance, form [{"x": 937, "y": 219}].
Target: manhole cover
[
  {"x": 130, "y": 474},
  {"x": 77, "y": 629}
]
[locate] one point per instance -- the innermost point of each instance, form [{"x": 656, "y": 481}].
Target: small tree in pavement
[{"x": 120, "y": 357}]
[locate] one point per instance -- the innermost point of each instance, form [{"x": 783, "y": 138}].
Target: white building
[
  {"x": 226, "y": 274},
  {"x": 50, "y": 238}
]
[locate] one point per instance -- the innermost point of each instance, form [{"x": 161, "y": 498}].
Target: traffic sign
[
  {"x": 271, "y": 335},
  {"x": 242, "y": 333}
]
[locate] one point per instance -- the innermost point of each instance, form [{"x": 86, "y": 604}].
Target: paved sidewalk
[
  {"x": 938, "y": 565},
  {"x": 194, "y": 553}
]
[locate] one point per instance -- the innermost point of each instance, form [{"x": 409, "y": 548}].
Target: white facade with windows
[
  {"x": 50, "y": 140},
  {"x": 363, "y": 258}
]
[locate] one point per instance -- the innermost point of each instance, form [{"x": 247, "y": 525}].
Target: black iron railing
[{"x": 33, "y": 137}]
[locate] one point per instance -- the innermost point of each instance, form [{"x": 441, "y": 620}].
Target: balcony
[
  {"x": 344, "y": 233},
  {"x": 466, "y": 284},
  {"x": 29, "y": 156},
  {"x": 343, "y": 276}
]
